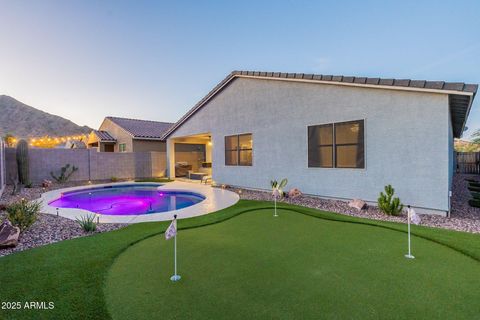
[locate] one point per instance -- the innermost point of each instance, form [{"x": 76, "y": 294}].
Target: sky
[{"x": 84, "y": 60}]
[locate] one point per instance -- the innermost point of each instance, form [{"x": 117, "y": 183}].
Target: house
[
  {"x": 128, "y": 135},
  {"x": 331, "y": 136}
]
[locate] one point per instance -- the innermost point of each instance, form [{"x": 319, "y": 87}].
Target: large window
[
  {"x": 238, "y": 150},
  {"x": 339, "y": 145}
]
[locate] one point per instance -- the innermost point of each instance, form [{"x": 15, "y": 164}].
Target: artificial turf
[{"x": 251, "y": 266}]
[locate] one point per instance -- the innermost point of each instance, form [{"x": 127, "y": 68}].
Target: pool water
[{"x": 127, "y": 200}]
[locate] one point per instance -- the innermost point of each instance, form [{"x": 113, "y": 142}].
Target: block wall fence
[
  {"x": 3, "y": 174},
  {"x": 94, "y": 165}
]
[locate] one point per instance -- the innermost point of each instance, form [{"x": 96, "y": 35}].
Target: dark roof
[
  {"x": 142, "y": 129},
  {"x": 460, "y": 94},
  {"x": 104, "y": 136}
]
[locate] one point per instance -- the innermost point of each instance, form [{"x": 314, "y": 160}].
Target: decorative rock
[
  {"x": 357, "y": 204},
  {"x": 293, "y": 193},
  {"x": 8, "y": 234},
  {"x": 47, "y": 183}
]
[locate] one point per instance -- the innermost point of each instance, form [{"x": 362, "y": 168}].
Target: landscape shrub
[
  {"x": 114, "y": 179},
  {"x": 23, "y": 213},
  {"x": 474, "y": 184},
  {"x": 388, "y": 204},
  {"x": 87, "y": 223},
  {"x": 65, "y": 173},
  {"x": 474, "y": 203},
  {"x": 474, "y": 189}
]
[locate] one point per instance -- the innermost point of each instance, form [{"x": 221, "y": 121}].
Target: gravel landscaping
[
  {"x": 463, "y": 217},
  {"x": 48, "y": 228}
]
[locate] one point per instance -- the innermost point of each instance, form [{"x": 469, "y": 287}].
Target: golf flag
[
  {"x": 414, "y": 217},
  {"x": 172, "y": 230}
]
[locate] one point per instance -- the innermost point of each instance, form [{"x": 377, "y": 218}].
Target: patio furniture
[
  {"x": 205, "y": 179},
  {"x": 182, "y": 169},
  {"x": 197, "y": 175}
]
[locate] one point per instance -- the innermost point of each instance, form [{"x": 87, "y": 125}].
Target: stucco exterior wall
[
  {"x": 406, "y": 138},
  {"x": 148, "y": 145}
]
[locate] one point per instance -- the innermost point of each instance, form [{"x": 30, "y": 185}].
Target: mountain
[{"x": 24, "y": 121}]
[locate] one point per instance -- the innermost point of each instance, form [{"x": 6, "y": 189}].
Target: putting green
[{"x": 292, "y": 267}]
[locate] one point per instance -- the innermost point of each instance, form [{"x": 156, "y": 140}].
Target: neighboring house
[
  {"x": 128, "y": 135},
  {"x": 331, "y": 136}
]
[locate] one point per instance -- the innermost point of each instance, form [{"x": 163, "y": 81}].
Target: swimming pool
[{"x": 127, "y": 199}]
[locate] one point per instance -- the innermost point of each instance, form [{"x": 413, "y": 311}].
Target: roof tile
[
  {"x": 142, "y": 128},
  {"x": 360, "y": 80},
  {"x": 417, "y": 83},
  {"x": 458, "y": 86},
  {"x": 386, "y": 82},
  {"x": 401, "y": 82},
  {"x": 373, "y": 80},
  {"x": 434, "y": 84}
]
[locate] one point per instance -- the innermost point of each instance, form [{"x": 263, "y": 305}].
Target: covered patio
[{"x": 190, "y": 157}]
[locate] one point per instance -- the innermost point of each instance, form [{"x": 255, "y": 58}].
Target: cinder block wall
[
  {"x": 2, "y": 167},
  {"x": 92, "y": 165}
]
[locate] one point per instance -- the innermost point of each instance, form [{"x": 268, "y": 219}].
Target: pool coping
[{"x": 215, "y": 199}]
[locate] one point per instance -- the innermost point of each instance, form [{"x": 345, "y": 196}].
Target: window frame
[
  {"x": 237, "y": 150},
  {"x": 120, "y": 147},
  {"x": 334, "y": 147}
]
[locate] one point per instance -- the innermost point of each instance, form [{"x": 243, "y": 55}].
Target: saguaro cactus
[{"x": 23, "y": 162}]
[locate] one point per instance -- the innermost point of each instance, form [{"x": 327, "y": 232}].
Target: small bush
[
  {"x": 388, "y": 204},
  {"x": 474, "y": 189},
  {"x": 476, "y": 195},
  {"x": 114, "y": 179},
  {"x": 474, "y": 184},
  {"x": 474, "y": 203},
  {"x": 65, "y": 173},
  {"x": 87, "y": 223},
  {"x": 23, "y": 213}
]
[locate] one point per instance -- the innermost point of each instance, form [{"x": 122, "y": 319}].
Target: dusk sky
[{"x": 84, "y": 60}]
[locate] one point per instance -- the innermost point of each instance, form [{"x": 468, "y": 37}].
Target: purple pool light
[{"x": 127, "y": 199}]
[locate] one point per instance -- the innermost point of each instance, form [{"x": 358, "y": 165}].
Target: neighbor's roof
[
  {"x": 142, "y": 129},
  {"x": 461, "y": 94},
  {"x": 104, "y": 136}
]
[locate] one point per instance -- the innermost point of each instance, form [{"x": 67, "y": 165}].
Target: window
[
  {"x": 238, "y": 150},
  {"x": 339, "y": 145},
  {"x": 122, "y": 147}
]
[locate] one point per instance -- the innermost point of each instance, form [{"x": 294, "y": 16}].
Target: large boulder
[
  {"x": 8, "y": 234},
  {"x": 293, "y": 193},
  {"x": 357, "y": 204}
]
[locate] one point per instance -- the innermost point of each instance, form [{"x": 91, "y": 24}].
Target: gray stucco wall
[
  {"x": 406, "y": 138},
  {"x": 148, "y": 145},
  {"x": 92, "y": 165}
]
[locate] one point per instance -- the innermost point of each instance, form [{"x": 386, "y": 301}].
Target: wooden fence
[{"x": 468, "y": 162}]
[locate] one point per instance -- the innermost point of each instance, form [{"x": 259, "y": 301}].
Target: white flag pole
[
  {"x": 409, "y": 255},
  {"x": 275, "y": 202},
  {"x": 175, "y": 277}
]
